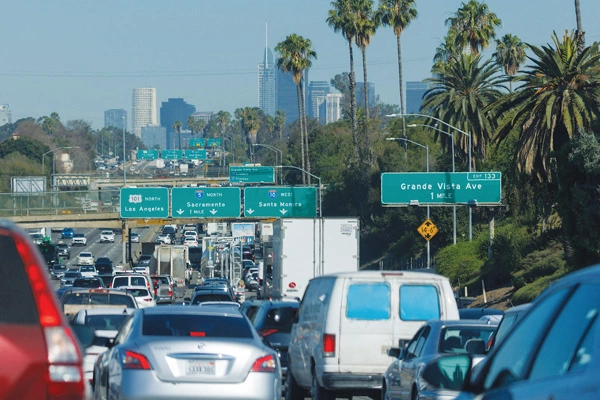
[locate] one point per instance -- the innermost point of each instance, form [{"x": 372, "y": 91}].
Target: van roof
[{"x": 386, "y": 275}]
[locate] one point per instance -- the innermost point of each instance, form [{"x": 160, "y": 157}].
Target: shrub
[{"x": 529, "y": 292}]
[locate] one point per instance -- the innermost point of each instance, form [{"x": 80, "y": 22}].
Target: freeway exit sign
[
  {"x": 252, "y": 174},
  {"x": 223, "y": 202},
  {"x": 172, "y": 154},
  {"x": 144, "y": 202},
  {"x": 147, "y": 154},
  {"x": 280, "y": 201},
  {"x": 441, "y": 188}
]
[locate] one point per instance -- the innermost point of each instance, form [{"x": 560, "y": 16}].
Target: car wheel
[
  {"x": 415, "y": 394},
  {"x": 292, "y": 390},
  {"x": 384, "y": 393},
  {"x": 318, "y": 392}
]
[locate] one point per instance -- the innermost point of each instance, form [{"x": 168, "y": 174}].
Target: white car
[
  {"x": 142, "y": 295},
  {"x": 85, "y": 258},
  {"x": 135, "y": 237},
  {"x": 190, "y": 241},
  {"x": 106, "y": 323},
  {"x": 163, "y": 238},
  {"x": 191, "y": 233},
  {"x": 107, "y": 237},
  {"x": 88, "y": 271},
  {"x": 79, "y": 239}
]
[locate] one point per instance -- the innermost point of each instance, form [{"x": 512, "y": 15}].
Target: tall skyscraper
[
  {"x": 5, "y": 114},
  {"x": 414, "y": 95},
  {"x": 154, "y": 136},
  {"x": 266, "y": 81},
  {"x": 287, "y": 98},
  {"x": 360, "y": 94},
  {"x": 143, "y": 109},
  {"x": 115, "y": 117},
  {"x": 316, "y": 89},
  {"x": 175, "y": 110}
]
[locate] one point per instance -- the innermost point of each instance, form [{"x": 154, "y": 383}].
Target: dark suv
[
  {"x": 273, "y": 321},
  {"x": 45, "y": 360}
]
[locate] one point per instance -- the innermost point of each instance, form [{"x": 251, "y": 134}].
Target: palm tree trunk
[
  {"x": 353, "y": 103},
  {"x": 298, "y": 95},
  {"x": 179, "y": 134},
  {"x": 580, "y": 34},
  {"x": 303, "y": 116},
  {"x": 363, "y": 49},
  {"x": 402, "y": 107}
]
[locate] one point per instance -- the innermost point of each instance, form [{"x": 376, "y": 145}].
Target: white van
[{"x": 348, "y": 320}]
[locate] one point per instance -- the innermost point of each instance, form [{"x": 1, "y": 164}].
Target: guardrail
[{"x": 59, "y": 203}]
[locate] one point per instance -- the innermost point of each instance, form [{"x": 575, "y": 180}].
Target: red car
[{"x": 41, "y": 358}]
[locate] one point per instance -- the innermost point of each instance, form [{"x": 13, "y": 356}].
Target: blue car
[{"x": 67, "y": 233}]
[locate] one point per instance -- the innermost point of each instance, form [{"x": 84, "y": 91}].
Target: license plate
[{"x": 199, "y": 368}]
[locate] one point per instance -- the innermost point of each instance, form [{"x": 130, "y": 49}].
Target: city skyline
[{"x": 80, "y": 59}]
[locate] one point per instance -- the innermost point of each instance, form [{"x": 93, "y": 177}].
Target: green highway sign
[
  {"x": 194, "y": 154},
  {"x": 441, "y": 188},
  {"x": 148, "y": 202},
  {"x": 197, "y": 142},
  {"x": 205, "y": 202},
  {"x": 280, "y": 201},
  {"x": 172, "y": 154},
  {"x": 147, "y": 154},
  {"x": 212, "y": 142},
  {"x": 252, "y": 174}
]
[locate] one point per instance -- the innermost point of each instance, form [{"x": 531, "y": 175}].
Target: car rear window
[
  {"x": 139, "y": 292},
  {"x": 419, "y": 303},
  {"x": 16, "y": 297},
  {"x": 111, "y": 322},
  {"x": 280, "y": 318},
  {"x": 368, "y": 301},
  {"x": 212, "y": 297},
  {"x": 209, "y": 326},
  {"x": 91, "y": 283},
  {"x": 98, "y": 299}
]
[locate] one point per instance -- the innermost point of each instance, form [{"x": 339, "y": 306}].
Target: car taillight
[
  {"x": 170, "y": 292},
  {"x": 267, "y": 332},
  {"x": 132, "y": 360},
  {"x": 264, "y": 364},
  {"x": 65, "y": 373},
  {"x": 328, "y": 345}
]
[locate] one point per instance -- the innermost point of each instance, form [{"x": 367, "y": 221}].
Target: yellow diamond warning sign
[{"x": 427, "y": 229}]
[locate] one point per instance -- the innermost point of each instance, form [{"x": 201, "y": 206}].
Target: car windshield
[{"x": 196, "y": 326}]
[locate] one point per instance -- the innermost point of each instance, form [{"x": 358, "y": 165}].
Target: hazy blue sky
[{"x": 81, "y": 57}]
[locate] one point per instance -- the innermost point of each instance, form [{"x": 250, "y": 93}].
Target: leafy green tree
[
  {"x": 460, "y": 96},
  {"x": 250, "y": 123},
  {"x": 446, "y": 53},
  {"x": 177, "y": 129},
  {"x": 510, "y": 54},
  {"x": 367, "y": 22},
  {"x": 558, "y": 95},
  {"x": 342, "y": 19},
  {"x": 398, "y": 14},
  {"x": 474, "y": 25},
  {"x": 295, "y": 56},
  {"x": 223, "y": 118}
]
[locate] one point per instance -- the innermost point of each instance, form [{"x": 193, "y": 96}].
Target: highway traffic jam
[{"x": 273, "y": 315}]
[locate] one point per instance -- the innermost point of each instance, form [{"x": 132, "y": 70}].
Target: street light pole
[
  {"x": 453, "y": 170},
  {"x": 124, "y": 159},
  {"x": 470, "y": 155},
  {"x": 426, "y": 147},
  {"x": 277, "y": 151}
]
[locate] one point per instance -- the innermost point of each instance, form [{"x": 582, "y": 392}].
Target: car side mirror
[{"x": 394, "y": 352}]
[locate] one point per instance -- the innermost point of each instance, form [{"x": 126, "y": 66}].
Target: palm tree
[
  {"x": 280, "y": 122},
  {"x": 223, "y": 118},
  {"x": 460, "y": 95},
  {"x": 558, "y": 96},
  {"x": 367, "y": 22},
  {"x": 342, "y": 19},
  {"x": 510, "y": 54},
  {"x": 398, "y": 14},
  {"x": 250, "y": 123},
  {"x": 295, "y": 56},
  {"x": 474, "y": 25},
  {"x": 191, "y": 123},
  {"x": 177, "y": 129},
  {"x": 579, "y": 34}
]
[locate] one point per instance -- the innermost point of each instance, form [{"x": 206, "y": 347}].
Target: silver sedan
[{"x": 183, "y": 352}]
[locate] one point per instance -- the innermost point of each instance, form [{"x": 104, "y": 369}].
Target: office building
[
  {"x": 414, "y": 96},
  {"x": 329, "y": 108},
  {"x": 316, "y": 90},
  {"x": 203, "y": 115},
  {"x": 5, "y": 114},
  {"x": 154, "y": 136},
  {"x": 266, "y": 80},
  {"x": 360, "y": 94},
  {"x": 143, "y": 109},
  {"x": 175, "y": 110},
  {"x": 116, "y": 118},
  {"x": 286, "y": 95}
]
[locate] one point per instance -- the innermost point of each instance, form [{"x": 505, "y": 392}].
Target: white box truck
[
  {"x": 306, "y": 248},
  {"x": 173, "y": 260}
]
